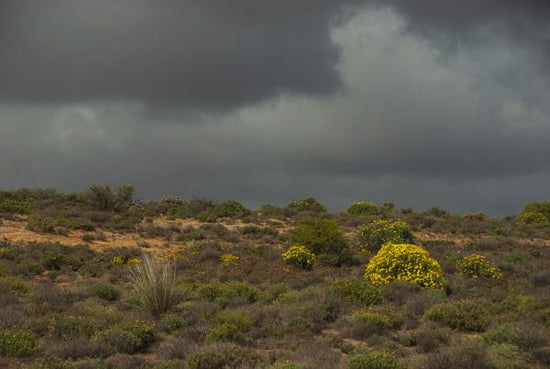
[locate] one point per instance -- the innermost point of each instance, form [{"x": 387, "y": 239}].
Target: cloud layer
[{"x": 396, "y": 102}]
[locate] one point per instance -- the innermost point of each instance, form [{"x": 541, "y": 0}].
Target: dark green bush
[
  {"x": 373, "y": 360},
  {"x": 524, "y": 335},
  {"x": 466, "y": 315},
  {"x": 323, "y": 238},
  {"x": 128, "y": 337},
  {"x": 16, "y": 342},
  {"x": 363, "y": 208},
  {"x": 104, "y": 291},
  {"x": 357, "y": 291},
  {"x": 307, "y": 204},
  {"x": 229, "y": 209}
]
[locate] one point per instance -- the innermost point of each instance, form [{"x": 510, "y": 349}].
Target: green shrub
[
  {"x": 404, "y": 263},
  {"x": 537, "y": 207},
  {"x": 363, "y": 208},
  {"x": 229, "y": 209},
  {"x": 373, "y": 360},
  {"x": 307, "y": 204},
  {"x": 475, "y": 266},
  {"x": 215, "y": 290},
  {"x": 356, "y": 291},
  {"x": 68, "y": 327},
  {"x": 41, "y": 222},
  {"x": 155, "y": 284},
  {"x": 104, "y": 291},
  {"x": 372, "y": 236},
  {"x": 170, "y": 322},
  {"x": 534, "y": 217},
  {"x": 323, "y": 238},
  {"x": 226, "y": 332},
  {"x": 16, "y": 342},
  {"x": 467, "y": 353},
  {"x": 206, "y": 360},
  {"x": 128, "y": 337},
  {"x": 52, "y": 260},
  {"x": 364, "y": 323},
  {"x": 522, "y": 335},
  {"x": 300, "y": 256},
  {"x": 466, "y": 315}
]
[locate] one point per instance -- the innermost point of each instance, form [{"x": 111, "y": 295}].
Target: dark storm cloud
[
  {"x": 192, "y": 53},
  {"x": 417, "y": 102}
]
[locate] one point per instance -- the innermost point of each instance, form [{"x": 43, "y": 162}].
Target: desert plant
[
  {"x": 155, "y": 284},
  {"x": 356, "y": 291},
  {"x": 104, "y": 291},
  {"x": 323, "y": 238},
  {"x": 373, "y": 235},
  {"x": 362, "y": 208},
  {"x": 373, "y": 360},
  {"x": 128, "y": 337},
  {"x": 300, "y": 256},
  {"x": 406, "y": 263},
  {"x": 229, "y": 209},
  {"x": 16, "y": 342},
  {"x": 466, "y": 315},
  {"x": 475, "y": 266},
  {"x": 307, "y": 204}
]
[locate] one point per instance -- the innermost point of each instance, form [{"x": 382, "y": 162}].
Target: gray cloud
[
  {"x": 194, "y": 54},
  {"x": 389, "y": 113}
]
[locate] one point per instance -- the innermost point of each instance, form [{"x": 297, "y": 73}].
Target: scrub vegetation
[{"x": 101, "y": 280}]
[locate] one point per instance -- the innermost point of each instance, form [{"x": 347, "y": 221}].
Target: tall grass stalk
[{"x": 155, "y": 284}]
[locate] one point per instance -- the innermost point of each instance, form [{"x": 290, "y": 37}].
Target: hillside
[{"x": 229, "y": 291}]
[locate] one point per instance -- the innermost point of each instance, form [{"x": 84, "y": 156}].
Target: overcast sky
[{"x": 421, "y": 103}]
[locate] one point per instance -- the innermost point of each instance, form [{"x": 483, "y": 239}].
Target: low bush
[
  {"x": 466, "y": 354},
  {"x": 356, "y": 291},
  {"x": 323, "y": 238},
  {"x": 373, "y": 360},
  {"x": 300, "y": 256},
  {"x": 104, "y": 291},
  {"x": 16, "y": 342},
  {"x": 215, "y": 290},
  {"x": 127, "y": 337},
  {"x": 405, "y": 263},
  {"x": 372, "y": 236},
  {"x": 466, "y": 315},
  {"x": 475, "y": 266},
  {"x": 229, "y": 209},
  {"x": 524, "y": 335},
  {"x": 364, "y": 323},
  {"x": 362, "y": 208},
  {"x": 307, "y": 204}
]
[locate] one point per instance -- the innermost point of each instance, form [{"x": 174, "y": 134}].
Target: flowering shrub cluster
[
  {"x": 406, "y": 263},
  {"x": 229, "y": 259},
  {"x": 362, "y": 208},
  {"x": 373, "y": 235},
  {"x": 16, "y": 342},
  {"x": 475, "y": 266},
  {"x": 121, "y": 260},
  {"x": 299, "y": 255}
]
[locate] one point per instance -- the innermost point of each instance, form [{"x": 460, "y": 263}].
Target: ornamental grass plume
[{"x": 155, "y": 284}]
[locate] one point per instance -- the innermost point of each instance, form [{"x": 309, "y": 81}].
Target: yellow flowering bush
[
  {"x": 373, "y": 235},
  {"x": 299, "y": 255},
  {"x": 229, "y": 259},
  {"x": 405, "y": 263},
  {"x": 475, "y": 266},
  {"x": 362, "y": 208},
  {"x": 120, "y": 260}
]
